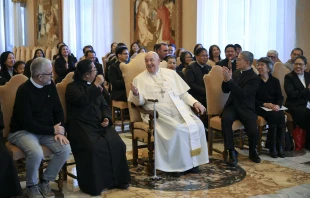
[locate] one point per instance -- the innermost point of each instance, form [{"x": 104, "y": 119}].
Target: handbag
[
  {"x": 299, "y": 136},
  {"x": 289, "y": 144}
]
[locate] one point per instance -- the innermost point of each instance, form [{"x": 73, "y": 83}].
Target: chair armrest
[{"x": 144, "y": 111}]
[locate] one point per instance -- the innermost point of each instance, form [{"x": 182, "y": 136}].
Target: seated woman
[
  {"x": 297, "y": 88},
  {"x": 269, "y": 95},
  {"x": 19, "y": 67},
  {"x": 172, "y": 63},
  {"x": 64, "y": 64},
  {"x": 134, "y": 50},
  {"x": 214, "y": 55},
  {"x": 99, "y": 152},
  {"x": 142, "y": 50},
  {"x": 7, "y": 61},
  {"x": 37, "y": 53},
  {"x": 186, "y": 58}
]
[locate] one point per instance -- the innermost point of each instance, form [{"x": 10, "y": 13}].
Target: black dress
[
  {"x": 270, "y": 92},
  {"x": 60, "y": 67},
  {"x": 99, "y": 152}
]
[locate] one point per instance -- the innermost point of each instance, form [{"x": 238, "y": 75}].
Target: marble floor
[{"x": 273, "y": 178}]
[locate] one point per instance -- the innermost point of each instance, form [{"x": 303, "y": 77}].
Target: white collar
[
  {"x": 36, "y": 84},
  {"x": 202, "y": 66},
  {"x": 158, "y": 72}
]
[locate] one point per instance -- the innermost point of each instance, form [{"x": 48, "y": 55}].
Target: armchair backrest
[
  {"x": 130, "y": 71},
  {"x": 216, "y": 99},
  {"x": 279, "y": 71},
  {"x": 61, "y": 90},
  {"x": 7, "y": 99}
]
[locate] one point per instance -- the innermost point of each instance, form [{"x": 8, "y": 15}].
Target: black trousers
[{"x": 229, "y": 115}]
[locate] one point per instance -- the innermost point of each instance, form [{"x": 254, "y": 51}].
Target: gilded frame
[
  {"x": 156, "y": 25},
  {"x": 47, "y": 22}
]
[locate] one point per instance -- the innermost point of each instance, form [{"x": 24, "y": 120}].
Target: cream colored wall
[
  {"x": 29, "y": 24},
  {"x": 121, "y": 21},
  {"x": 302, "y": 26}
]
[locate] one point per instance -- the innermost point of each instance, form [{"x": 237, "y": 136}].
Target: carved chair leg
[
  {"x": 41, "y": 170},
  {"x": 260, "y": 134},
  {"x": 64, "y": 171},
  {"x": 135, "y": 151},
  {"x": 60, "y": 180}
]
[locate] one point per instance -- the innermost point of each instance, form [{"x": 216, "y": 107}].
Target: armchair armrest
[{"x": 144, "y": 111}]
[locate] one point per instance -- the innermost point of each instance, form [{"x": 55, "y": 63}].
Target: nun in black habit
[{"x": 99, "y": 152}]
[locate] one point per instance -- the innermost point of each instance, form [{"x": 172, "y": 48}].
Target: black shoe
[
  {"x": 194, "y": 170},
  {"x": 122, "y": 186},
  {"x": 274, "y": 154},
  {"x": 254, "y": 157},
  {"x": 233, "y": 157}
]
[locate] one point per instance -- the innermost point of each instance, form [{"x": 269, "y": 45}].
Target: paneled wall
[{"x": 303, "y": 27}]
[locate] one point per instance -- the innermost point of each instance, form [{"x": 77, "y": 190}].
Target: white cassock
[{"x": 180, "y": 142}]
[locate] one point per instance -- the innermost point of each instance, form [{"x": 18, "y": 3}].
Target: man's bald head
[{"x": 152, "y": 62}]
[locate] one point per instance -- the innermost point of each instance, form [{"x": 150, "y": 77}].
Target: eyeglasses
[
  {"x": 239, "y": 59},
  {"x": 51, "y": 74},
  {"x": 298, "y": 64},
  {"x": 272, "y": 57}
]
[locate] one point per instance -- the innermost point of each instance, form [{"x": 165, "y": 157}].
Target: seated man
[
  {"x": 180, "y": 136},
  {"x": 230, "y": 60},
  {"x": 273, "y": 55},
  {"x": 99, "y": 152},
  {"x": 36, "y": 119},
  {"x": 242, "y": 85},
  {"x": 118, "y": 92},
  {"x": 162, "y": 50},
  {"x": 295, "y": 53}
]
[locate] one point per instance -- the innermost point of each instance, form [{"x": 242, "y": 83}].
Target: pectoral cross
[{"x": 162, "y": 92}]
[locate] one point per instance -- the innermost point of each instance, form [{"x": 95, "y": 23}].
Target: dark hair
[
  {"x": 169, "y": 57},
  {"x": 230, "y": 45},
  {"x": 172, "y": 45},
  {"x": 158, "y": 46},
  {"x": 35, "y": 53},
  {"x": 131, "y": 51},
  {"x": 82, "y": 68},
  {"x": 141, "y": 47},
  {"x": 18, "y": 63},
  {"x": 199, "y": 50},
  {"x": 302, "y": 58},
  {"x": 196, "y": 46},
  {"x": 297, "y": 48},
  {"x": 112, "y": 46},
  {"x": 89, "y": 51},
  {"x": 4, "y": 57},
  {"x": 238, "y": 46},
  {"x": 59, "y": 50},
  {"x": 182, "y": 56},
  {"x": 58, "y": 44},
  {"x": 211, "y": 54},
  {"x": 248, "y": 56},
  {"x": 120, "y": 50},
  {"x": 268, "y": 62},
  {"x": 121, "y": 44},
  {"x": 178, "y": 51},
  {"x": 87, "y": 46}
]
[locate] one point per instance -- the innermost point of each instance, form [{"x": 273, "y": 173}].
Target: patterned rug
[{"x": 215, "y": 174}]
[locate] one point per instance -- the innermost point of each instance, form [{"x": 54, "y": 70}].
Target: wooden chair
[
  {"x": 122, "y": 106},
  {"x": 279, "y": 71},
  {"x": 7, "y": 99},
  {"x": 216, "y": 100},
  {"x": 141, "y": 131},
  {"x": 61, "y": 90}
]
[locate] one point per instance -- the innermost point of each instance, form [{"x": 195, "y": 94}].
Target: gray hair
[
  {"x": 268, "y": 62},
  {"x": 273, "y": 52},
  {"x": 39, "y": 66},
  {"x": 248, "y": 56}
]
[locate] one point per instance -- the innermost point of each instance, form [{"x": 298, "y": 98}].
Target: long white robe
[{"x": 172, "y": 143}]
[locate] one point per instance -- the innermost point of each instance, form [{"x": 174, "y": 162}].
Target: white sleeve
[
  {"x": 188, "y": 99},
  {"x": 137, "y": 100}
]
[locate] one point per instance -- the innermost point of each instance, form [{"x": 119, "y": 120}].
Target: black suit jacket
[
  {"x": 6, "y": 77},
  {"x": 194, "y": 79},
  {"x": 242, "y": 88},
  {"x": 296, "y": 93},
  {"x": 224, "y": 62},
  {"x": 99, "y": 68},
  {"x": 60, "y": 67},
  {"x": 118, "y": 91}
]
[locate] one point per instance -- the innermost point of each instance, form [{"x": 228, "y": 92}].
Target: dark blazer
[
  {"x": 194, "y": 79},
  {"x": 224, "y": 62},
  {"x": 269, "y": 92},
  {"x": 118, "y": 91},
  {"x": 99, "y": 68},
  {"x": 60, "y": 67},
  {"x": 5, "y": 74},
  {"x": 296, "y": 93},
  {"x": 242, "y": 88},
  {"x": 27, "y": 71}
]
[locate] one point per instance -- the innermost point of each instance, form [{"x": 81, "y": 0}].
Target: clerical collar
[
  {"x": 202, "y": 66},
  {"x": 36, "y": 84},
  {"x": 241, "y": 71},
  {"x": 302, "y": 79}
]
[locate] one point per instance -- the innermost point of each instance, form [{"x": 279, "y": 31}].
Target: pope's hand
[
  {"x": 134, "y": 90},
  {"x": 199, "y": 108}
]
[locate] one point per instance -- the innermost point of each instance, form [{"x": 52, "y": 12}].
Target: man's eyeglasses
[
  {"x": 51, "y": 74},
  {"x": 298, "y": 64}
]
